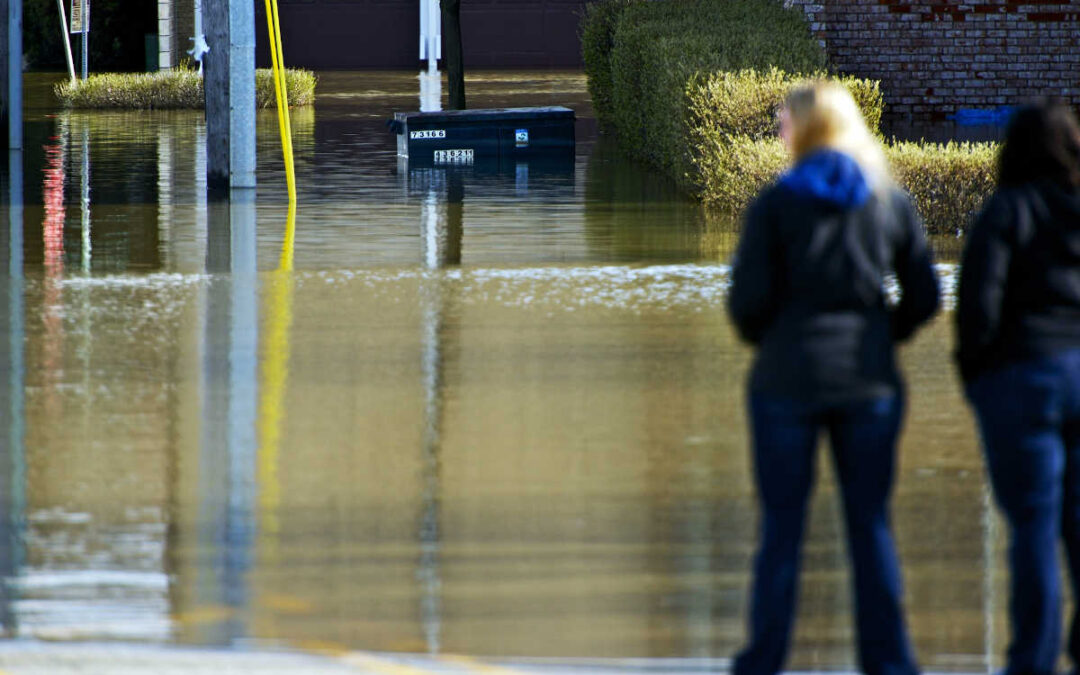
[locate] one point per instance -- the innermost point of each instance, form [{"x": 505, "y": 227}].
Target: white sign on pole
[{"x": 77, "y": 13}]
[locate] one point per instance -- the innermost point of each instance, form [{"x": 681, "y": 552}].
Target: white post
[
  {"x": 430, "y": 50},
  {"x": 67, "y": 42},
  {"x": 165, "y": 34},
  {"x": 199, "y": 46}
]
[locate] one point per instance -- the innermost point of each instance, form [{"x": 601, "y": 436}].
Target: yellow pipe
[
  {"x": 277, "y": 66},
  {"x": 289, "y": 169}
]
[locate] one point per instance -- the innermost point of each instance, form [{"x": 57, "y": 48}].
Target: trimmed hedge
[
  {"x": 653, "y": 51},
  {"x": 174, "y": 89},
  {"x": 692, "y": 87},
  {"x": 947, "y": 183},
  {"x": 597, "y": 42}
]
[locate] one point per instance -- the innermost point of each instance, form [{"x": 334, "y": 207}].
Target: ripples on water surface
[{"x": 538, "y": 452}]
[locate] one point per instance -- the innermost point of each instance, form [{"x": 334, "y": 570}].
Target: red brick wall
[{"x": 934, "y": 57}]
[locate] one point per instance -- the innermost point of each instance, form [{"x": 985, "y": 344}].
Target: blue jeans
[
  {"x": 863, "y": 439},
  {"x": 1029, "y": 419}
]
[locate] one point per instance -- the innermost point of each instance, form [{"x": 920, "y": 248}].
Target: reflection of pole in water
[
  {"x": 227, "y": 480},
  {"x": 442, "y": 222},
  {"x": 12, "y": 399},
  {"x": 698, "y": 564},
  {"x": 275, "y": 375},
  {"x": 84, "y": 199},
  {"x": 432, "y": 365},
  {"x": 165, "y": 183},
  {"x": 52, "y": 229},
  {"x": 442, "y": 236}
]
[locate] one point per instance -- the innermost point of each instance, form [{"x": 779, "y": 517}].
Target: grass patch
[
  {"x": 174, "y": 89},
  {"x": 692, "y": 87}
]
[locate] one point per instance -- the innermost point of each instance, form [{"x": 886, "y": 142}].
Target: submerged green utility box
[{"x": 469, "y": 136}]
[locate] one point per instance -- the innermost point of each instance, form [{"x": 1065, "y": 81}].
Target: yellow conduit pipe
[{"x": 277, "y": 64}]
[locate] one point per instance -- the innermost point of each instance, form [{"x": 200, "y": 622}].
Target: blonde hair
[{"x": 824, "y": 115}]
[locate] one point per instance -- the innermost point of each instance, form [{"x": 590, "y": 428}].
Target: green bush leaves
[
  {"x": 692, "y": 88},
  {"x": 174, "y": 89}
]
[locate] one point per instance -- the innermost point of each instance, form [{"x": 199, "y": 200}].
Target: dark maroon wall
[{"x": 340, "y": 34}]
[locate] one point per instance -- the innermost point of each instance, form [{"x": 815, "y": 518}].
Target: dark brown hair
[{"x": 1041, "y": 142}]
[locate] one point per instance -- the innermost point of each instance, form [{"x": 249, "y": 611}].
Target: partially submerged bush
[
  {"x": 647, "y": 60},
  {"x": 692, "y": 88},
  {"x": 948, "y": 182},
  {"x": 598, "y": 26},
  {"x": 173, "y": 89}
]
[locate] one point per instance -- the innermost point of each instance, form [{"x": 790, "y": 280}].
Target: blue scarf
[{"x": 829, "y": 176}]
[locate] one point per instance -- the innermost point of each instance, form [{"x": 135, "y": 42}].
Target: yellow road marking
[
  {"x": 381, "y": 665},
  {"x": 202, "y": 615},
  {"x": 326, "y": 647},
  {"x": 476, "y": 666}
]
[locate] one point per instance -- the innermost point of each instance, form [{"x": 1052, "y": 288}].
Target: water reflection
[
  {"x": 12, "y": 400},
  {"x": 486, "y": 410},
  {"x": 228, "y": 458}
]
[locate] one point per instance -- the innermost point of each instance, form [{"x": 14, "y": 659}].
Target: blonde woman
[{"x": 808, "y": 291}]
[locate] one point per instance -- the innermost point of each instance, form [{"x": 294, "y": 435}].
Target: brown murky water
[{"x": 218, "y": 435}]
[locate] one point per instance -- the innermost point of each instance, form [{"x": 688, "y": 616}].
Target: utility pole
[
  {"x": 455, "y": 69},
  {"x": 11, "y": 73},
  {"x": 230, "y": 94}
]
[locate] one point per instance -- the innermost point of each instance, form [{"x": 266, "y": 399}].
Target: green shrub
[
  {"x": 692, "y": 88},
  {"x": 734, "y": 169},
  {"x": 731, "y": 130},
  {"x": 746, "y": 102},
  {"x": 173, "y": 89},
  {"x": 299, "y": 85},
  {"x": 597, "y": 40},
  {"x": 948, "y": 183},
  {"x": 644, "y": 59}
]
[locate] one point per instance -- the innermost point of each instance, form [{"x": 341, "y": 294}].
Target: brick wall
[{"x": 935, "y": 57}]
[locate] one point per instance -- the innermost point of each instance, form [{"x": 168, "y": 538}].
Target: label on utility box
[
  {"x": 428, "y": 133},
  {"x": 521, "y": 138},
  {"x": 463, "y": 156}
]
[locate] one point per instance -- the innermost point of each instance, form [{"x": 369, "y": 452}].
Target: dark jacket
[
  {"x": 1019, "y": 295},
  {"x": 809, "y": 283}
]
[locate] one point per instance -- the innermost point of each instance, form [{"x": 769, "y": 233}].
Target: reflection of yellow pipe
[
  {"x": 277, "y": 63},
  {"x": 275, "y": 374}
]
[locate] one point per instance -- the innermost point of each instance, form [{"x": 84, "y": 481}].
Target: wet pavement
[{"x": 98, "y": 659}]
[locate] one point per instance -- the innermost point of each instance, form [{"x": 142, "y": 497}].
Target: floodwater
[{"x": 496, "y": 413}]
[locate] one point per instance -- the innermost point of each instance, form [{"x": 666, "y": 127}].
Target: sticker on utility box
[
  {"x": 427, "y": 133},
  {"x": 463, "y": 156},
  {"x": 521, "y": 138}
]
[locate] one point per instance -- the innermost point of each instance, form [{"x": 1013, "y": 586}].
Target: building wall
[
  {"x": 934, "y": 58},
  {"x": 346, "y": 34}
]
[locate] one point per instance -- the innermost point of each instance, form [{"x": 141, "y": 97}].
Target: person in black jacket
[
  {"x": 1018, "y": 328},
  {"x": 810, "y": 290}
]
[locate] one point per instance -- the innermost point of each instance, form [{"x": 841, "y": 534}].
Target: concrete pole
[
  {"x": 230, "y": 94},
  {"x": 11, "y": 72}
]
